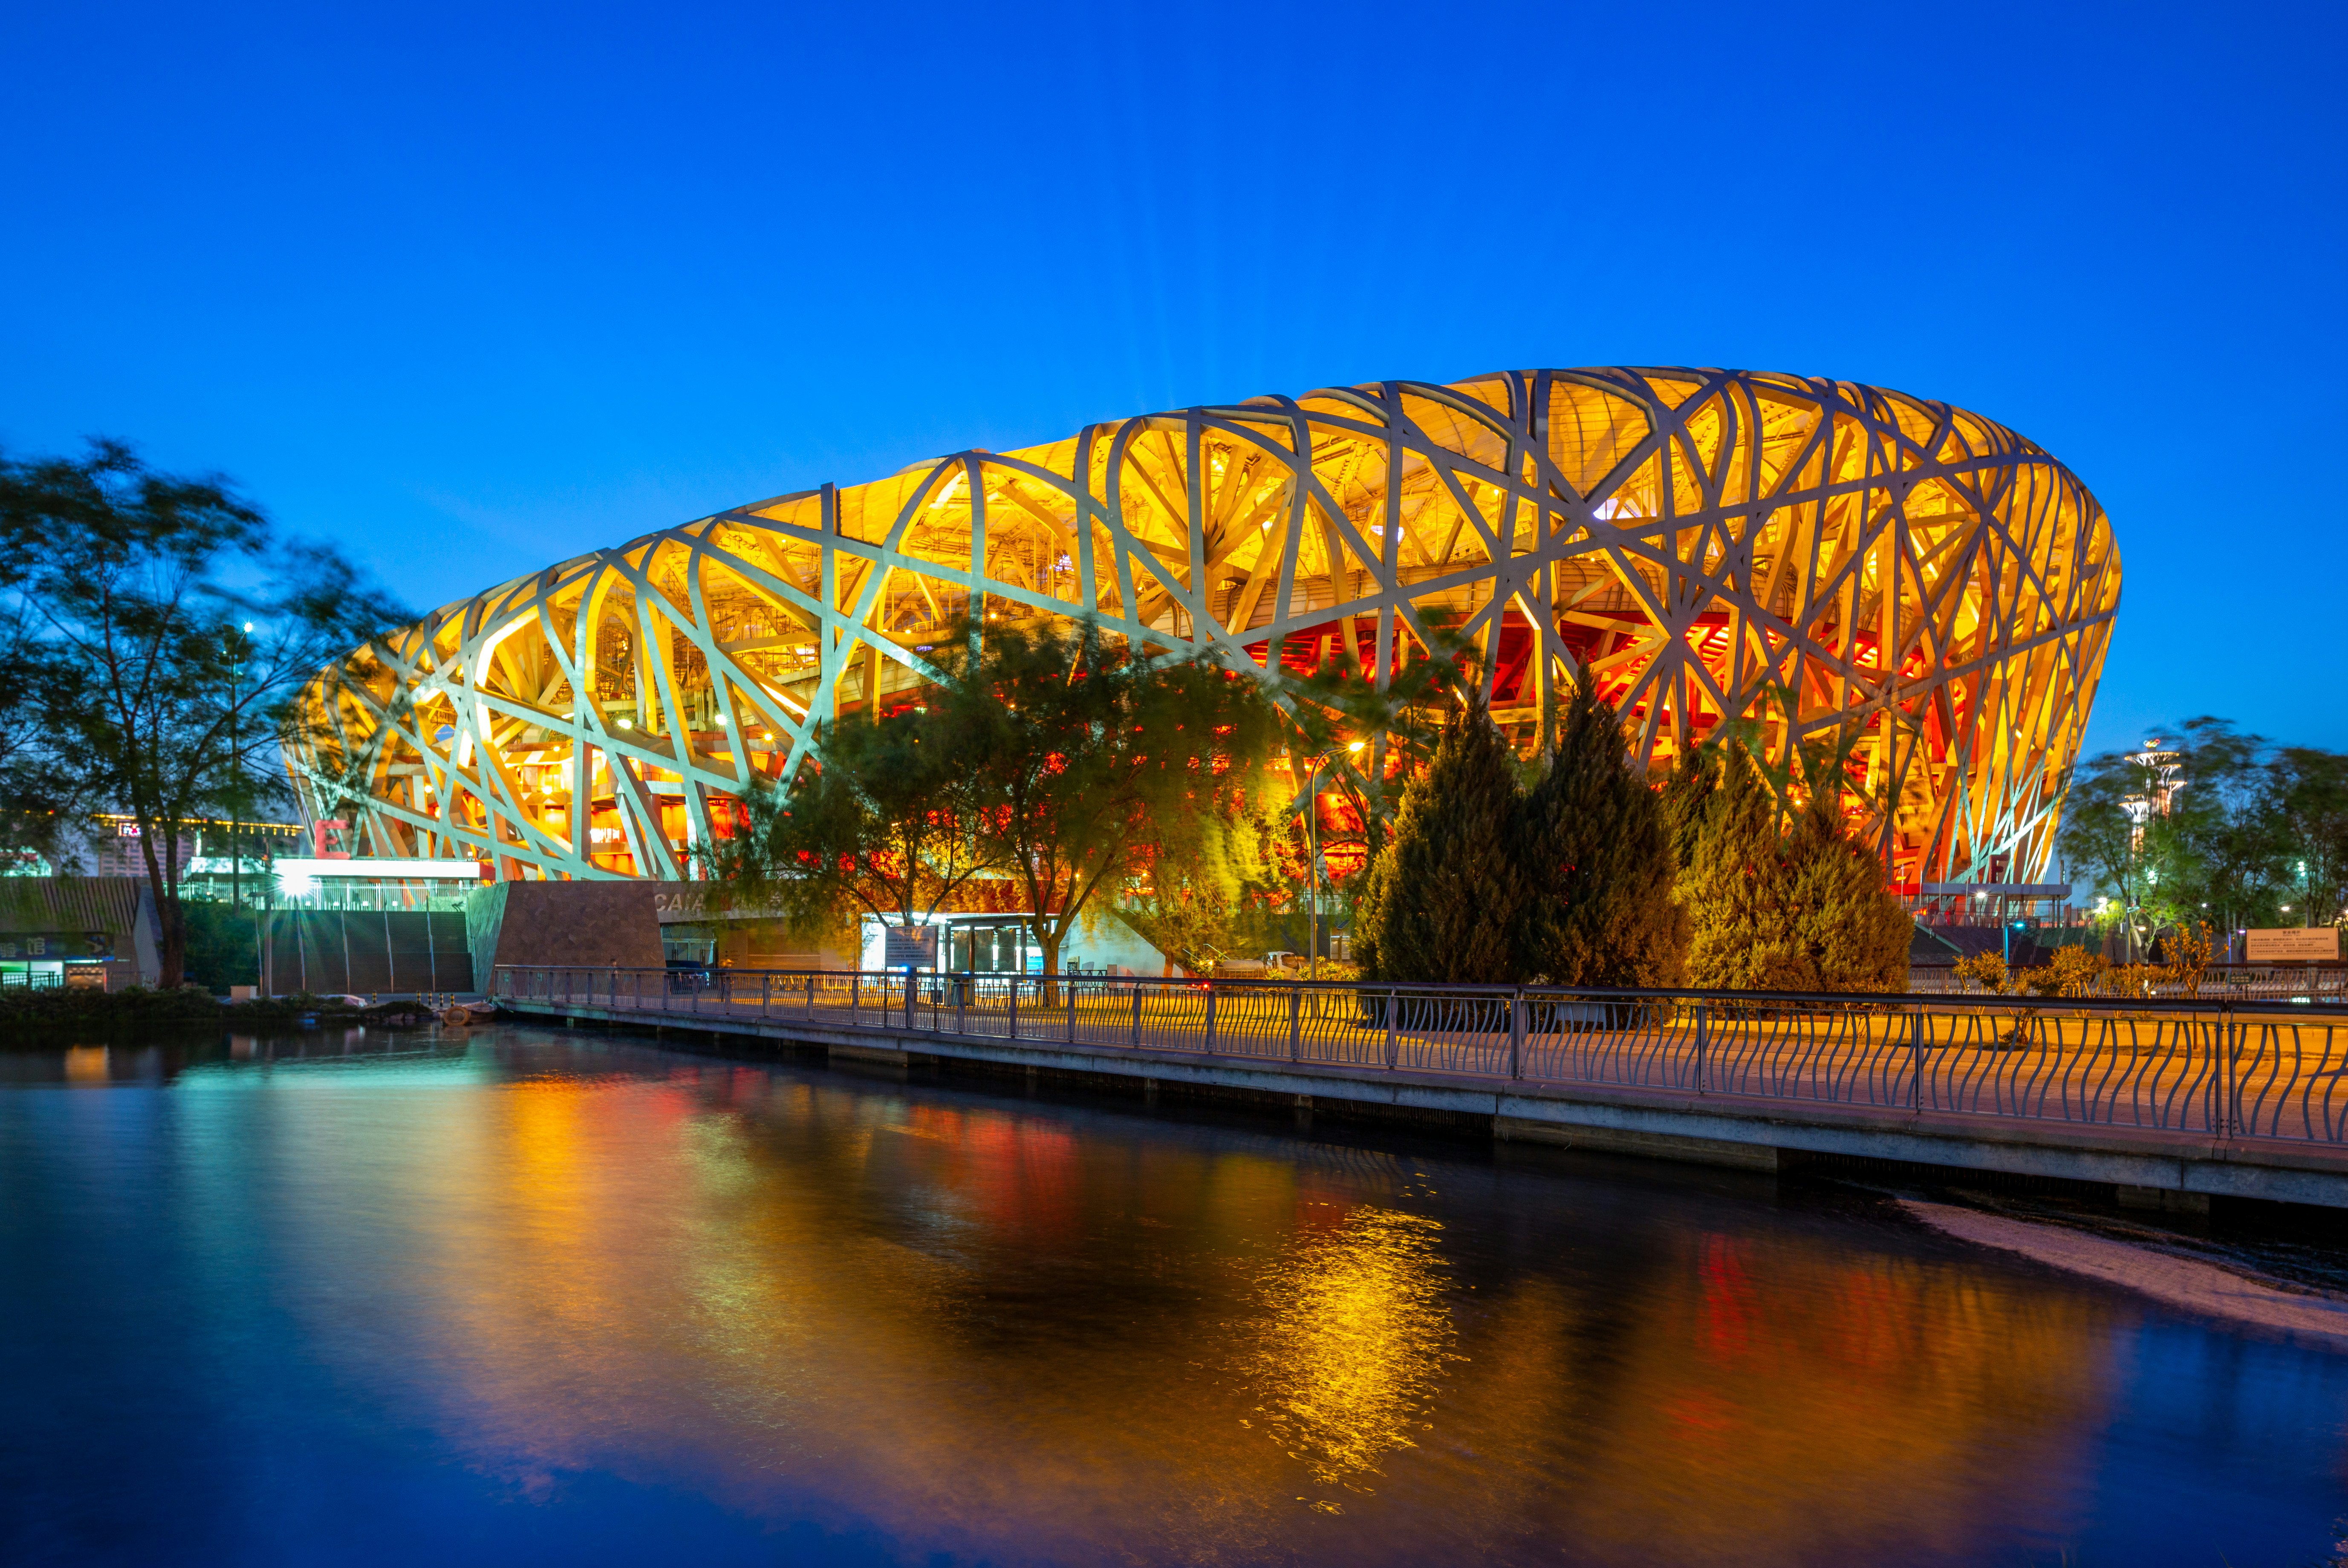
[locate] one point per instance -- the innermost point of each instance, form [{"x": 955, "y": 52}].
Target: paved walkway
[{"x": 2286, "y": 1075}]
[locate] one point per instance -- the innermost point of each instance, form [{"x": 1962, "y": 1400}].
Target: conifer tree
[
  {"x": 1445, "y": 893},
  {"x": 1741, "y": 940},
  {"x": 1686, "y": 797},
  {"x": 1802, "y": 910},
  {"x": 1601, "y": 862},
  {"x": 1852, "y": 934}
]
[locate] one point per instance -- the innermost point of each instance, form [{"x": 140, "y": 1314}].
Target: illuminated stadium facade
[{"x": 1920, "y": 586}]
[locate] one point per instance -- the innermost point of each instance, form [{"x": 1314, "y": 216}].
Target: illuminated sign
[{"x": 2294, "y": 944}]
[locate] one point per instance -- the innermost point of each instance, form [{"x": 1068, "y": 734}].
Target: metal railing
[
  {"x": 2223, "y": 1067},
  {"x": 2219, "y": 983}
]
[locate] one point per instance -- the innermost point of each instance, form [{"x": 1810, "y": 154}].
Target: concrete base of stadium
[{"x": 2177, "y": 1171}]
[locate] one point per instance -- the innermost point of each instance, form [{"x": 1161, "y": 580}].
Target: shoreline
[{"x": 2174, "y": 1281}]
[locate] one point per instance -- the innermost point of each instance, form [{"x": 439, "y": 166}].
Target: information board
[
  {"x": 909, "y": 946},
  {"x": 2294, "y": 944}
]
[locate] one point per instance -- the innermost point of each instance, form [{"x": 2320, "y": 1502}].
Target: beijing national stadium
[{"x": 1816, "y": 559}]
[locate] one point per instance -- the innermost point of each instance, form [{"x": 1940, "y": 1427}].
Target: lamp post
[
  {"x": 1313, "y": 856},
  {"x": 235, "y": 861}
]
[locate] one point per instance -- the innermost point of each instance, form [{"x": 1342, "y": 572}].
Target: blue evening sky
[{"x": 472, "y": 288}]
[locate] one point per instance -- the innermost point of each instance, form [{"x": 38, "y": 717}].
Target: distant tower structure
[{"x": 2164, "y": 774}]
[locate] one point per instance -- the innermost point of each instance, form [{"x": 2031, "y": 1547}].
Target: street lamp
[
  {"x": 1313, "y": 856},
  {"x": 235, "y": 674}
]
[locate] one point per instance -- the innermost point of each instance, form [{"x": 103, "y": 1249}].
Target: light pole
[
  {"x": 1313, "y": 856},
  {"x": 235, "y": 862}
]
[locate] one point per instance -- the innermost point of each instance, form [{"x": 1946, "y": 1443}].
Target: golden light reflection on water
[
  {"x": 1355, "y": 1337},
  {"x": 1010, "y": 1334}
]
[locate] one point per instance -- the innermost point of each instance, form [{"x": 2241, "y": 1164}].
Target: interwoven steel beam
[{"x": 1825, "y": 560}]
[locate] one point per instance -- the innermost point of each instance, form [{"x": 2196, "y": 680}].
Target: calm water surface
[{"x": 538, "y": 1297}]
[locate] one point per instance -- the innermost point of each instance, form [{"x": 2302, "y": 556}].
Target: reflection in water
[
  {"x": 488, "y": 1292},
  {"x": 1354, "y": 1336}
]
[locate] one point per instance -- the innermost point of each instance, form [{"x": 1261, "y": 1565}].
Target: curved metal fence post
[
  {"x": 2233, "y": 1122},
  {"x": 1516, "y": 1033},
  {"x": 1295, "y": 1023},
  {"x": 1918, "y": 1027},
  {"x": 855, "y": 997},
  {"x": 1394, "y": 1010},
  {"x": 765, "y": 992},
  {"x": 1702, "y": 1039},
  {"x": 962, "y": 1004},
  {"x": 1072, "y": 1012},
  {"x": 1210, "y": 1047},
  {"x": 1015, "y": 1007},
  {"x": 810, "y": 1012},
  {"x": 1137, "y": 1017}
]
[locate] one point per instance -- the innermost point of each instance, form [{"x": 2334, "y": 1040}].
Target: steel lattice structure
[{"x": 1821, "y": 559}]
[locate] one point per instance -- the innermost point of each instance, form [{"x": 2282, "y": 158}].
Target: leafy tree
[
  {"x": 39, "y": 804},
  {"x": 2220, "y": 850},
  {"x": 1206, "y": 874},
  {"x": 1447, "y": 892},
  {"x": 1083, "y": 757},
  {"x": 2225, "y": 849},
  {"x": 883, "y": 819},
  {"x": 165, "y": 685},
  {"x": 2098, "y": 834},
  {"x": 2308, "y": 789},
  {"x": 1400, "y": 721},
  {"x": 1600, "y": 909}
]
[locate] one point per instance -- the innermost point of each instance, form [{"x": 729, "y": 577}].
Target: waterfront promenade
[{"x": 2196, "y": 1097}]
